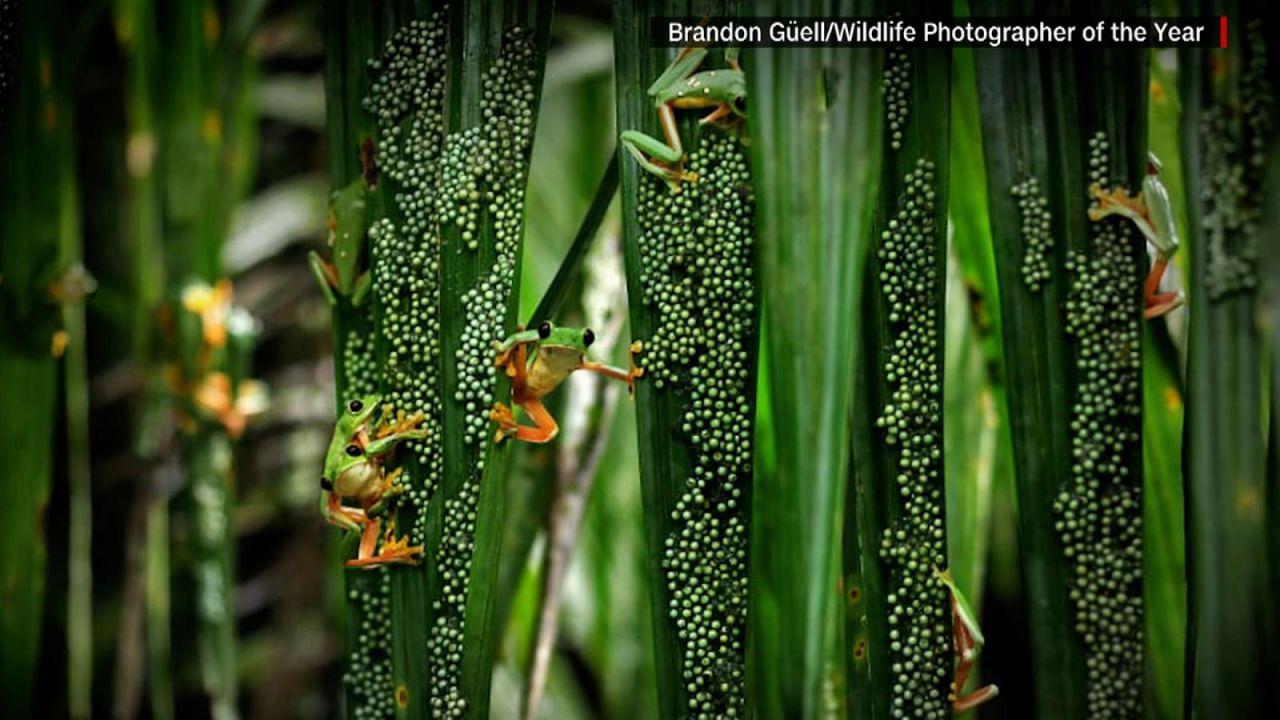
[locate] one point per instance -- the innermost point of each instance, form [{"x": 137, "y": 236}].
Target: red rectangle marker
[{"x": 1222, "y": 32}]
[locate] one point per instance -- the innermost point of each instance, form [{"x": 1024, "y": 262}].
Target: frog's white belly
[
  {"x": 550, "y": 368},
  {"x": 359, "y": 482}
]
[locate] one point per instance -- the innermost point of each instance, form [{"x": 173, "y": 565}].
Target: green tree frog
[
  {"x": 680, "y": 87},
  {"x": 348, "y": 222},
  {"x": 353, "y": 470},
  {"x": 968, "y": 640},
  {"x": 1152, "y": 211},
  {"x": 556, "y": 352}
]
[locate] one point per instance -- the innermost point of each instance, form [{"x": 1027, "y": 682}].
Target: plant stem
[
  {"x": 33, "y": 141},
  {"x": 1227, "y": 128}
]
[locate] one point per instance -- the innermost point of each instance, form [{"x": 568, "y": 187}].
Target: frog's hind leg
[
  {"x": 507, "y": 425},
  {"x": 975, "y": 698},
  {"x": 340, "y": 515},
  {"x": 545, "y": 427},
  {"x": 515, "y": 363},
  {"x": 368, "y": 543},
  {"x": 394, "y": 550},
  {"x": 964, "y": 646},
  {"x": 1158, "y": 303}
]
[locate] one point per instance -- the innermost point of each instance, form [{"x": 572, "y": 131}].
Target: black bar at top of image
[{"x": 940, "y": 32}]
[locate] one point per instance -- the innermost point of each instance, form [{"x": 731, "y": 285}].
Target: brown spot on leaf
[{"x": 368, "y": 163}]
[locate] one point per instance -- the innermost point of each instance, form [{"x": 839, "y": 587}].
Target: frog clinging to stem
[
  {"x": 353, "y": 470},
  {"x": 1152, "y": 211},
  {"x": 679, "y": 87},
  {"x": 967, "y": 639},
  {"x": 556, "y": 352}
]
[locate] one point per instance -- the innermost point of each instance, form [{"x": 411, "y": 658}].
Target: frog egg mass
[
  {"x": 470, "y": 181},
  {"x": 1235, "y": 164},
  {"x": 1099, "y": 507},
  {"x": 696, "y": 258},
  {"x": 913, "y": 545},
  {"x": 896, "y": 85},
  {"x": 1037, "y": 234}
]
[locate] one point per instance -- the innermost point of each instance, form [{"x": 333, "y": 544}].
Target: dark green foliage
[
  {"x": 895, "y": 536},
  {"x": 34, "y": 139},
  {"x": 1072, "y": 355},
  {"x": 691, "y": 288},
  {"x": 1228, "y": 125},
  {"x": 452, "y": 149},
  {"x": 816, "y": 149}
]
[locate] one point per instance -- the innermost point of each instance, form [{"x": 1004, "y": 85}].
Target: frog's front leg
[
  {"x": 518, "y": 339},
  {"x": 391, "y": 489},
  {"x": 1135, "y": 208},
  {"x": 360, "y": 292},
  {"x": 325, "y": 275},
  {"x": 657, "y": 157},
  {"x": 386, "y": 438},
  {"x": 626, "y": 376}
]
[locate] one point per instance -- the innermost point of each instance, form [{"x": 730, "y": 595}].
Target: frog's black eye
[
  {"x": 355, "y": 406},
  {"x": 544, "y": 330},
  {"x": 326, "y": 483},
  {"x": 588, "y": 337},
  {"x": 354, "y": 450}
]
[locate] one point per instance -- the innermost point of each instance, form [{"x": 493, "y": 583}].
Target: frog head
[
  {"x": 346, "y": 449},
  {"x": 563, "y": 340}
]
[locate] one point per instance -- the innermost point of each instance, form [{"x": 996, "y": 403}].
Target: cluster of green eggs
[
  {"x": 1235, "y": 140},
  {"x": 407, "y": 102},
  {"x": 369, "y": 673},
  {"x": 492, "y": 178},
  {"x": 697, "y": 258},
  {"x": 453, "y": 563},
  {"x": 896, "y": 86},
  {"x": 1099, "y": 509},
  {"x": 913, "y": 545},
  {"x": 1037, "y": 234}
]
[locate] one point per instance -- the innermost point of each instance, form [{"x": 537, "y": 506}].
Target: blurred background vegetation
[{"x": 190, "y": 146}]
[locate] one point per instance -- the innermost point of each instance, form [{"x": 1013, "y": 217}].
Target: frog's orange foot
[
  {"x": 394, "y": 552},
  {"x": 391, "y": 486},
  {"x": 506, "y": 420},
  {"x": 636, "y": 371},
  {"x": 1163, "y": 303},
  {"x": 408, "y": 424},
  {"x": 1115, "y": 201},
  {"x": 678, "y": 175},
  {"x": 973, "y": 699}
]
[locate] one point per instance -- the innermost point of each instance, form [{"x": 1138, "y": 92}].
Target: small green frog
[
  {"x": 557, "y": 352},
  {"x": 968, "y": 640},
  {"x": 1152, "y": 212},
  {"x": 347, "y": 223},
  {"x": 353, "y": 470},
  {"x": 679, "y": 87}
]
